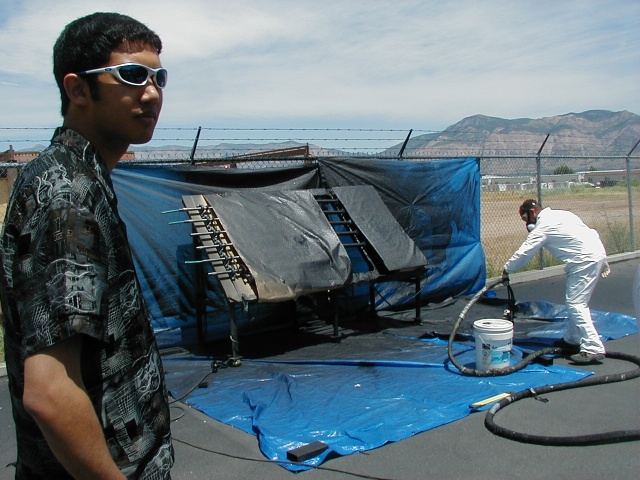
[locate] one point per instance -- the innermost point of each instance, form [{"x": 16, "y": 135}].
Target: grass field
[{"x": 604, "y": 209}]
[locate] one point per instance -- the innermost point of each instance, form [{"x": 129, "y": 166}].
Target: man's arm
[
  {"x": 534, "y": 242},
  {"x": 54, "y": 395}
]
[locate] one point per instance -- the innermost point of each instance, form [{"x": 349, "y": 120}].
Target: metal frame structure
[{"x": 217, "y": 255}]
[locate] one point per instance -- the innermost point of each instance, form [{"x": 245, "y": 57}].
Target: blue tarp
[
  {"x": 435, "y": 202},
  {"x": 363, "y": 400},
  {"x": 610, "y": 325},
  {"x": 160, "y": 249}
]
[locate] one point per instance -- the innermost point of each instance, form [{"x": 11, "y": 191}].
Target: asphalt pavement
[{"x": 464, "y": 449}]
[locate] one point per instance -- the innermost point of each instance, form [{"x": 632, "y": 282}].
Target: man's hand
[
  {"x": 606, "y": 270},
  {"x": 505, "y": 276}
]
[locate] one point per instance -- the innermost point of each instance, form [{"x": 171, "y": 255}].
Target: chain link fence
[
  {"x": 607, "y": 200},
  {"x": 603, "y": 190}
]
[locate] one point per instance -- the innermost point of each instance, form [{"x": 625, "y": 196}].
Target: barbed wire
[
  {"x": 448, "y": 143},
  {"x": 445, "y": 135},
  {"x": 263, "y": 129}
]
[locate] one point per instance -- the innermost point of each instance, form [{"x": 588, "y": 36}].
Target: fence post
[
  {"x": 539, "y": 182},
  {"x": 192, "y": 157},
  {"x": 404, "y": 145},
  {"x": 630, "y": 197}
]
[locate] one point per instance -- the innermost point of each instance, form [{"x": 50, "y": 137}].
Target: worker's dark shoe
[
  {"x": 566, "y": 346},
  {"x": 584, "y": 358}
]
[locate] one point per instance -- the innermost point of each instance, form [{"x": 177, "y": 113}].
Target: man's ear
[{"x": 77, "y": 89}]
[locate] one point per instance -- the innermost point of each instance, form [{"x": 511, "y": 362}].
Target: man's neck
[{"x": 111, "y": 152}]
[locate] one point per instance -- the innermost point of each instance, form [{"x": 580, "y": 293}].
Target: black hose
[
  {"x": 580, "y": 440},
  {"x": 567, "y": 441},
  {"x": 472, "y": 372}
]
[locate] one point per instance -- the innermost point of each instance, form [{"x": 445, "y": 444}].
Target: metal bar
[
  {"x": 215, "y": 246},
  {"x": 231, "y": 273},
  {"x": 192, "y": 220},
  {"x": 340, "y": 222},
  {"x": 404, "y": 145},
  {"x": 417, "y": 320},
  {"x": 195, "y": 145},
  {"x": 234, "y": 361},
  {"x": 207, "y": 234},
  {"x": 211, "y": 260},
  {"x": 630, "y": 198},
  {"x": 539, "y": 168},
  {"x": 200, "y": 300},
  {"x": 336, "y": 316},
  {"x": 190, "y": 209},
  {"x": 539, "y": 175}
]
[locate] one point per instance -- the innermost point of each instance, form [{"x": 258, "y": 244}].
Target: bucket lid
[{"x": 493, "y": 325}]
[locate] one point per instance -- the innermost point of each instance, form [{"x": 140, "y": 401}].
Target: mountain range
[
  {"x": 591, "y": 133},
  {"x": 594, "y": 132},
  {"x": 598, "y": 134}
]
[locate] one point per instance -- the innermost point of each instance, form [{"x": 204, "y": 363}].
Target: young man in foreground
[{"x": 85, "y": 374}]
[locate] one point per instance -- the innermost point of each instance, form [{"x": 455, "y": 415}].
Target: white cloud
[{"x": 414, "y": 64}]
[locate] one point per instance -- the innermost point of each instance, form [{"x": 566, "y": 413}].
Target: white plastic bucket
[{"x": 493, "y": 343}]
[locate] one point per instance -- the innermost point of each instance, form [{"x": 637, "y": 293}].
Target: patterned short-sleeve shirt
[{"x": 67, "y": 269}]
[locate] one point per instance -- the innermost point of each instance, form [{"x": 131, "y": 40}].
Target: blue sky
[{"x": 406, "y": 64}]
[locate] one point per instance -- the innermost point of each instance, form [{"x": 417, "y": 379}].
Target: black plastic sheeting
[
  {"x": 289, "y": 246},
  {"x": 436, "y": 203},
  {"x": 285, "y": 241},
  {"x": 396, "y": 250}
]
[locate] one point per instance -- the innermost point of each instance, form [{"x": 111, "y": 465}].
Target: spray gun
[{"x": 509, "y": 313}]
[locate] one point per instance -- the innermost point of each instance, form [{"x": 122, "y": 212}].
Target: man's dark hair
[
  {"x": 528, "y": 205},
  {"x": 87, "y": 43}
]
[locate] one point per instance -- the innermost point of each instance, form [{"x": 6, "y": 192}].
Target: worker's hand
[
  {"x": 505, "y": 276},
  {"x": 606, "y": 270}
]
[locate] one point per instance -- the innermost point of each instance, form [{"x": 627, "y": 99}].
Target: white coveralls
[{"x": 568, "y": 239}]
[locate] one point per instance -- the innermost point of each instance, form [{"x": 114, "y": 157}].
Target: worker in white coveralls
[{"x": 568, "y": 239}]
